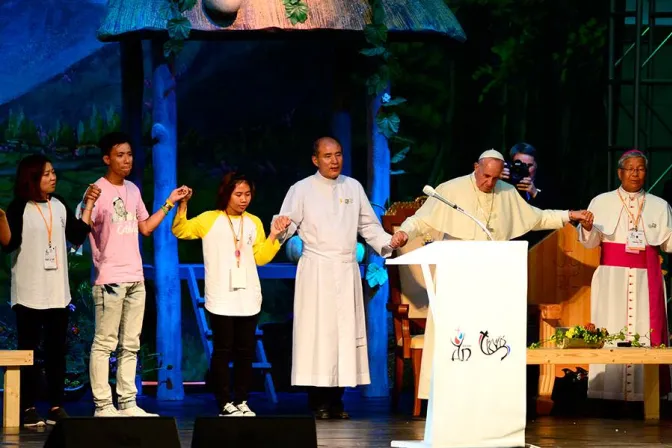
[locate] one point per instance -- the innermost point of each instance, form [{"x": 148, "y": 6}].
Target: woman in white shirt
[
  {"x": 34, "y": 230},
  {"x": 234, "y": 243}
]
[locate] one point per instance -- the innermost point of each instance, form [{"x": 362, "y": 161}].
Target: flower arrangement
[{"x": 589, "y": 336}]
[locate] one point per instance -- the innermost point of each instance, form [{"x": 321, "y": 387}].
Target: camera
[{"x": 517, "y": 171}]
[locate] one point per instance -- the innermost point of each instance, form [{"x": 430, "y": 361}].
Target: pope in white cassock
[
  {"x": 330, "y": 346},
  {"x": 627, "y": 290},
  {"x": 496, "y": 204}
]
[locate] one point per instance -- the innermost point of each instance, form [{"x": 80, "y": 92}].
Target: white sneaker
[
  {"x": 108, "y": 411},
  {"x": 245, "y": 409},
  {"x": 230, "y": 410},
  {"x": 136, "y": 411}
]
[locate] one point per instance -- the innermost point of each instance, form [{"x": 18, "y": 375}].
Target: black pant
[
  {"x": 29, "y": 325},
  {"x": 326, "y": 398},
  {"x": 233, "y": 338}
]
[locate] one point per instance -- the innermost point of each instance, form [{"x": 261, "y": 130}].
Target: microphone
[{"x": 431, "y": 192}]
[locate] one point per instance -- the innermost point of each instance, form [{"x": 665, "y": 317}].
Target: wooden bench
[
  {"x": 12, "y": 360},
  {"x": 650, "y": 358}
]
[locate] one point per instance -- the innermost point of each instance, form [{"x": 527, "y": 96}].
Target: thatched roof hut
[
  {"x": 129, "y": 21},
  {"x": 147, "y": 17}
]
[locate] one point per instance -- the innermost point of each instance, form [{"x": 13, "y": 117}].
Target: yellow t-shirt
[{"x": 219, "y": 247}]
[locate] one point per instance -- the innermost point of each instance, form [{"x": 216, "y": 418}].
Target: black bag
[{"x": 570, "y": 392}]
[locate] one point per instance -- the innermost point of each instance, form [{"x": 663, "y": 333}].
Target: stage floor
[{"x": 373, "y": 425}]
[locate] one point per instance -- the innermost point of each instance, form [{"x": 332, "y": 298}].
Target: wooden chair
[
  {"x": 560, "y": 270},
  {"x": 408, "y": 302}
]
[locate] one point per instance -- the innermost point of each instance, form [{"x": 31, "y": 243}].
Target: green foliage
[
  {"x": 178, "y": 26},
  {"x": 378, "y": 82},
  {"x": 296, "y": 11}
]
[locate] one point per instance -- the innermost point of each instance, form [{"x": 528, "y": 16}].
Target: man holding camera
[{"x": 521, "y": 172}]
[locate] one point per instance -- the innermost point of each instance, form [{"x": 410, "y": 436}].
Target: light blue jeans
[{"x": 120, "y": 308}]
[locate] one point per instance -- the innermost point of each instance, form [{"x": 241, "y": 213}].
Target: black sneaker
[
  {"x": 31, "y": 418},
  {"x": 230, "y": 410},
  {"x": 56, "y": 415}
]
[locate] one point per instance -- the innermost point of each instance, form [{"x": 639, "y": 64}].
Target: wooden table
[
  {"x": 12, "y": 360},
  {"x": 651, "y": 358}
]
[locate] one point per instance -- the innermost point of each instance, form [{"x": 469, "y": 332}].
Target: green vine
[
  {"x": 178, "y": 26},
  {"x": 590, "y": 334},
  {"x": 378, "y": 82},
  {"x": 296, "y": 11}
]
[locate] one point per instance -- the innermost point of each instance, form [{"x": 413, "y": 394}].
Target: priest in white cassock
[
  {"x": 496, "y": 204},
  {"x": 627, "y": 289},
  {"x": 329, "y": 347}
]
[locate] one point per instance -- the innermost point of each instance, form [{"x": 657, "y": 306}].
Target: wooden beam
[
  {"x": 167, "y": 273},
  {"x": 132, "y": 88},
  {"x": 16, "y": 358},
  {"x": 629, "y": 355}
]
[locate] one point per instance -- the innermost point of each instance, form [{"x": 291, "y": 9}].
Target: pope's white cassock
[
  {"x": 627, "y": 290},
  {"x": 329, "y": 348},
  {"x": 504, "y": 212}
]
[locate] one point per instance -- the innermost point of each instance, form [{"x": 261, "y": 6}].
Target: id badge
[
  {"x": 635, "y": 241},
  {"x": 50, "y": 259},
  {"x": 238, "y": 278}
]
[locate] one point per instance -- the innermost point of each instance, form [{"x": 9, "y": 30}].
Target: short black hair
[
  {"x": 523, "y": 148},
  {"x": 109, "y": 141},
  {"x": 316, "y": 144}
]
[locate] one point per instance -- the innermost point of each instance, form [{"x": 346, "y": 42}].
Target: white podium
[{"x": 479, "y": 301}]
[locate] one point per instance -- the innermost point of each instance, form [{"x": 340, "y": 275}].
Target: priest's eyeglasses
[{"x": 631, "y": 171}]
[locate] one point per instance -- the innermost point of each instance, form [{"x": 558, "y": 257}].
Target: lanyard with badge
[
  {"x": 238, "y": 274},
  {"x": 50, "y": 259},
  {"x": 635, "y": 240}
]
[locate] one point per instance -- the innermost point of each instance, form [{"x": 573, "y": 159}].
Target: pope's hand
[
  {"x": 399, "y": 239},
  {"x": 584, "y": 217}
]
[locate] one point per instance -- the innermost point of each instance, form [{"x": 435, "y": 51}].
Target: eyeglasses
[{"x": 634, "y": 170}]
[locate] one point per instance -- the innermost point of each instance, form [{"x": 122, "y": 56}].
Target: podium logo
[
  {"x": 461, "y": 353},
  {"x": 490, "y": 346}
]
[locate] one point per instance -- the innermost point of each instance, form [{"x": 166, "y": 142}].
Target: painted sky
[{"x": 40, "y": 39}]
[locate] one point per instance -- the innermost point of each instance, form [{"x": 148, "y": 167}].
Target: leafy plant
[
  {"x": 178, "y": 26},
  {"x": 296, "y": 11},
  {"x": 590, "y": 334},
  {"x": 378, "y": 82}
]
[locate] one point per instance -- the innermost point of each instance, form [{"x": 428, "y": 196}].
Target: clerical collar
[
  {"x": 630, "y": 195},
  {"x": 325, "y": 180}
]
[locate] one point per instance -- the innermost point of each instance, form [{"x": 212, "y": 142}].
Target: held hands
[
  {"x": 91, "y": 196},
  {"x": 399, "y": 239},
  {"x": 178, "y": 194},
  {"x": 280, "y": 225},
  {"x": 584, "y": 217}
]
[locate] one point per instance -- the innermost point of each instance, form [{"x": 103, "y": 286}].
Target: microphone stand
[{"x": 432, "y": 193}]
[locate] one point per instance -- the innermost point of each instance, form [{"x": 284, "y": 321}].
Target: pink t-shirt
[{"x": 114, "y": 234}]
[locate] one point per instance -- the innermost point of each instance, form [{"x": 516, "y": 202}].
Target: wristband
[{"x": 170, "y": 203}]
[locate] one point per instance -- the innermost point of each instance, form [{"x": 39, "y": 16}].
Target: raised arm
[
  {"x": 194, "y": 228},
  {"x": 5, "y": 232},
  {"x": 11, "y": 227},
  {"x": 147, "y": 224}
]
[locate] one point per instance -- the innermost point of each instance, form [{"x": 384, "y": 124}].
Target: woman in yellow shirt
[{"x": 234, "y": 243}]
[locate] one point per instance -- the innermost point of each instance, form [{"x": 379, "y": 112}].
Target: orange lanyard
[
  {"x": 639, "y": 212},
  {"x": 50, "y": 225},
  {"x": 237, "y": 240}
]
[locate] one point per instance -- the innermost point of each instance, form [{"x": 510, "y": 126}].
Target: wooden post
[
  {"x": 11, "y": 412},
  {"x": 376, "y": 311},
  {"x": 167, "y": 275},
  {"x": 132, "y": 87}
]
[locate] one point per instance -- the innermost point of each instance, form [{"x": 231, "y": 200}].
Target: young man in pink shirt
[{"x": 119, "y": 288}]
